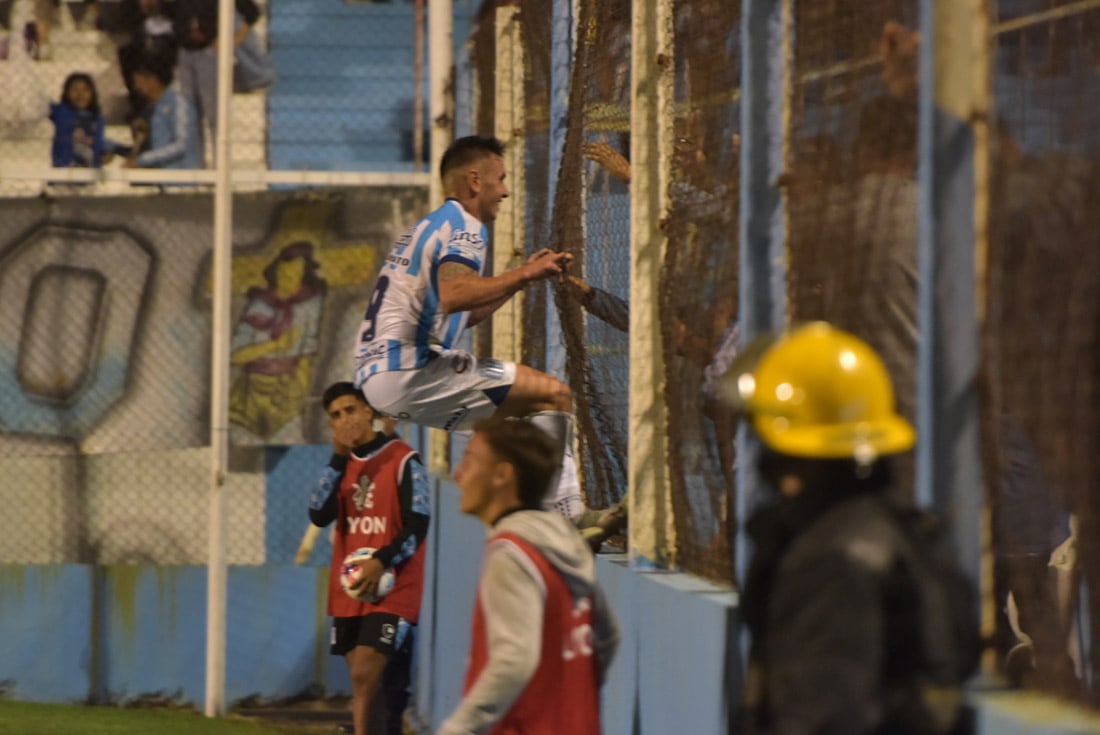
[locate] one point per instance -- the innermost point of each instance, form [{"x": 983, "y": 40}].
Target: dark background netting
[
  {"x": 852, "y": 195},
  {"x": 852, "y": 188},
  {"x": 1041, "y": 352},
  {"x": 483, "y": 56},
  {"x": 594, "y": 224},
  {"x": 699, "y": 281},
  {"x": 535, "y": 19}
]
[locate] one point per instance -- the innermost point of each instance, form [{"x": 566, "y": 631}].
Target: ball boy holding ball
[{"x": 376, "y": 490}]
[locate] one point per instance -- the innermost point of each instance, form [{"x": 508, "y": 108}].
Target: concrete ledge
[
  {"x": 1014, "y": 712},
  {"x": 679, "y": 663}
]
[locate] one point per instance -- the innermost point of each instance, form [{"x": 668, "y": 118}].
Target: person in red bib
[
  {"x": 543, "y": 634},
  {"x": 376, "y": 490}
]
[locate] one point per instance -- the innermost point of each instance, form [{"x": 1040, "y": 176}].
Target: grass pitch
[{"x": 25, "y": 718}]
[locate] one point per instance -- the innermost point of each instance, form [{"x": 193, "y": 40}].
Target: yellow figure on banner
[{"x": 275, "y": 340}]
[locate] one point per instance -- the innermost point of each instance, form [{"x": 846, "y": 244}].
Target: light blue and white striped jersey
[{"x": 403, "y": 323}]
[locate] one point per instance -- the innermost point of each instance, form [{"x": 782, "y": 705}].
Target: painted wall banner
[
  {"x": 105, "y": 315},
  {"x": 105, "y": 334}
]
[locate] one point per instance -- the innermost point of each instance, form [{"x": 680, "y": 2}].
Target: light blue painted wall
[
  {"x": 456, "y": 562},
  {"x": 291, "y": 474},
  {"x": 70, "y": 632},
  {"x": 73, "y": 631},
  {"x": 45, "y": 647}
]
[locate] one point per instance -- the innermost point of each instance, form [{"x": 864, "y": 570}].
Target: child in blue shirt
[
  {"x": 78, "y": 124},
  {"x": 173, "y": 137}
]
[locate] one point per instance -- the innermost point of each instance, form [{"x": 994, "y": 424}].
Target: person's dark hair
[
  {"x": 887, "y": 128},
  {"x": 311, "y": 278},
  {"x": 529, "y": 449},
  {"x": 79, "y": 76},
  {"x": 154, "y": 64},
  {"x": 337, "y": 390},
  {"x": 470, "y": 149}
]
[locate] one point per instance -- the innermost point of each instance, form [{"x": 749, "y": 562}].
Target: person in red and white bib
[
  {"x": 376, "y": 490},
  {"x": 543, "y": 634}
]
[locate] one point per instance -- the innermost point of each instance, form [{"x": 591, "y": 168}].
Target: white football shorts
[{"x": 452, "y": 392}]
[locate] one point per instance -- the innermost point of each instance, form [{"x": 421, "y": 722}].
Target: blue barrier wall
[
  {"x": 671, "y": 674},
  {"x": 73, "y": 632}
]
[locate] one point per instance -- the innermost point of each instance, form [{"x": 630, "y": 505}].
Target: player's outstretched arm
[{"x": 462, "y": 289}]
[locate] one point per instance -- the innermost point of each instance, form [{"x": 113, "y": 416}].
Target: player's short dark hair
[
  {"x": 470, "y": 149},
  {"x": 529, "y": 449},
  {"x": 337, "y": 390}
]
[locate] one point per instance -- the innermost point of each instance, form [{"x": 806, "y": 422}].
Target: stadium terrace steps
[{"x": 93, "y": 52}]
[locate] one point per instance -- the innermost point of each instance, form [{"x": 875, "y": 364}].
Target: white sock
[
  {"x": 564, "y": 494},
  {"x": 568, "y": 499}
]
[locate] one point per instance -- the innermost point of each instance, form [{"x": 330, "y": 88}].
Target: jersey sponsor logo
[
  {"x": 456, "y": 418},
  {"x": 396, "y": 259},
  {"x": 463, "y": 236},
  {"x": 372, "y": 352},
  {"x": 491, "y": 369},
  {"x": 577, "y": 642},
  {"x": 364, "y": 494},
  {"x": 366, "y": 524}
]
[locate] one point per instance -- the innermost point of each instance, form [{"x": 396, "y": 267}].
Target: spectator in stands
[
  {"x": 196, "y": 29},
  {"x": 543, "y": 635},
  {"x": 173, "y": 129},
  {"x": 606, "y": 307},
  {"x": 5, "y": 27},
  {"x": 150, "y": 35},
  {"x": 37, "y": 33},
  {"x": 704, "y": 202},
  {"x": 78, "y": 124}
]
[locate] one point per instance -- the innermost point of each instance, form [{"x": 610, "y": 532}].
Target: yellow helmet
[{"x": 818, "y": 392}]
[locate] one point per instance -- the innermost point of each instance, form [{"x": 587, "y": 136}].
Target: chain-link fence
[
  {"x": 106, "y": 281},
  {"x": 576, "y": 197},
  {"x": 852, "y": 190},
  {"x": 118, "y": 84},
  {"x": 105, "y": 308},
  {"x": 1041, "y": 343},
  {"x": 573, "y": 204},
  {"x": 105, "y": 341},
  {"x": 853, "y": 214},
  {"x": 699, "y": 281}
]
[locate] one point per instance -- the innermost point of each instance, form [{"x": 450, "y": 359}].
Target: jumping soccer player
[{"x": 429, "y": 290}]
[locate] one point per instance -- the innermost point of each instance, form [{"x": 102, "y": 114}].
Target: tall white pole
[
  {"x": 418, "y": 87},
  {"x": 440, "y": 63},
  {"x": 219, "y": 375}
]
